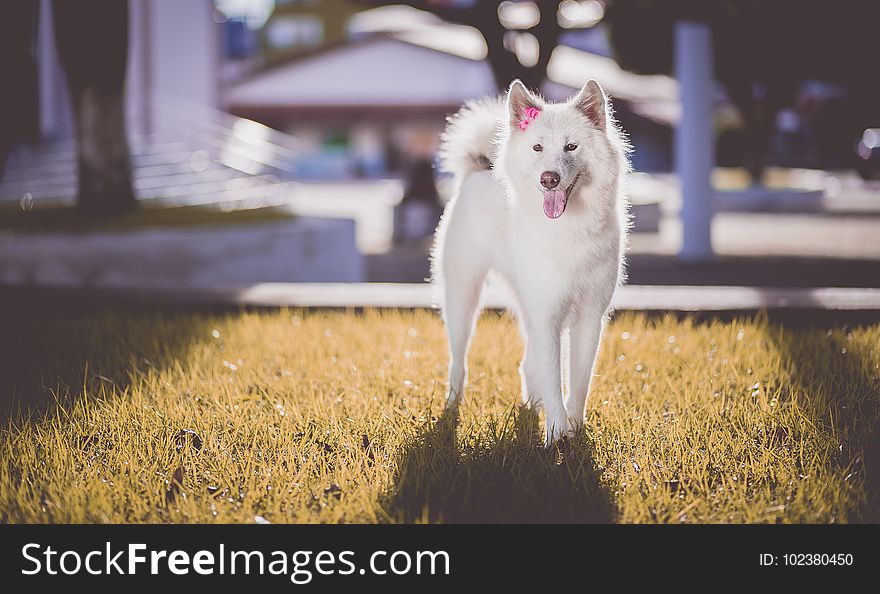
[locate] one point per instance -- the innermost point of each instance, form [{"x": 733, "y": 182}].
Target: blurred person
[{"x": 417, "y": 214}]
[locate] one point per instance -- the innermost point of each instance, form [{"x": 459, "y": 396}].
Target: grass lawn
[{"x": 331, "y": 417}]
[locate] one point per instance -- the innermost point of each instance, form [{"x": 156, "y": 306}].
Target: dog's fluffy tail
[{"x": 468, "y": 144}]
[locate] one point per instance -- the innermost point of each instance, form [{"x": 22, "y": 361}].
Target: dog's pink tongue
[{"x": 554, "y": 203}]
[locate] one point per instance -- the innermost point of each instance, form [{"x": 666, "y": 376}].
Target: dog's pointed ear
[
  {"x": 519, "y": 99},
  {"x": 592, "y": 103}
]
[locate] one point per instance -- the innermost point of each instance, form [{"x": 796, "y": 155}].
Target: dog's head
[{"x": 551, "y": 151}]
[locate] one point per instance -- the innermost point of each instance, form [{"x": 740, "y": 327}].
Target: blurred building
[{"x": 367, "y": 108}]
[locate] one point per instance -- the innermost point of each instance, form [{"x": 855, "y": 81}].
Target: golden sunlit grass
[{"x": 330, "y": 417}]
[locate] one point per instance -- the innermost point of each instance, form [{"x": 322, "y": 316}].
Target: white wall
[{"x": 303, "y": 250}]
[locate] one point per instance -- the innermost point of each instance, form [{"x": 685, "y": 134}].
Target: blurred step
[
  {"x": 646, "y": 298},
  {"x": 168, "y": 172}
]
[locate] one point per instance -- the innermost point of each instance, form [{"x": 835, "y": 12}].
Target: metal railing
[{"x": 245, "y": 145}]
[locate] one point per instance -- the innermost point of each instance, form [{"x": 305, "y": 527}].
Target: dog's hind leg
[
  {"x": 463, "y": 254},
  {"x": 462, "y": 285}
]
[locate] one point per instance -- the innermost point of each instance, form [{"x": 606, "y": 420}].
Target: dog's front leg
[
  {"x": 586, "y": 333},
  {"x": 543, "y": 360}
]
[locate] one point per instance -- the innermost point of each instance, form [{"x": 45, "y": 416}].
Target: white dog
[{"x": 540, "y": 201}]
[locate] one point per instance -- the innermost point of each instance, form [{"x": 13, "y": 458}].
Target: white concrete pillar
[
  {"x": 56, "y": 115},
  {"x": 137, "y": 77},
  {"x": 695, "y": 138},
  {"x": 184, "y": 48}
]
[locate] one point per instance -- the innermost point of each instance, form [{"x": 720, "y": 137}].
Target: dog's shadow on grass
[{"x": 505, "y": 476}]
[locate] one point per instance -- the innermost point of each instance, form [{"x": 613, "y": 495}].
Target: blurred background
[{"x": 187, "y": 144}]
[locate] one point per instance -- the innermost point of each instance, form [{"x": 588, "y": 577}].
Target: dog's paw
[
  {"x": 575, "y": 426},
  {"x": 450, "y": 414},
  {"x": 555, "y": 434},
  {"x": 533, "y": 402},
  {"x": 560, "y": 446},
  {"x": 453, "y": 400}
]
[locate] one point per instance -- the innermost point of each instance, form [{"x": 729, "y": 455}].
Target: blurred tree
[
  {"x": 19, "y": 118},
  {"x": 501, "y": 56},
  {"x": 92, "y": 41},
  {"x": 763, "y": 50}
]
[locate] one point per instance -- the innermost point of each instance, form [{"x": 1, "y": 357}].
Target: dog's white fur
[{"x": 563, "y": 272}]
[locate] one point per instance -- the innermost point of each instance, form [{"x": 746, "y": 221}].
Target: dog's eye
[
  {"x": 570, "y": 147},
  {"x": 538, "y": 148}
]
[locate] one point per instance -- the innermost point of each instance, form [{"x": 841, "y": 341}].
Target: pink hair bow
[{"x": 530, "y": 116}]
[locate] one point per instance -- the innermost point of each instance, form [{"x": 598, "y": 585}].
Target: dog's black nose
[{"x": 549, "y": 179}]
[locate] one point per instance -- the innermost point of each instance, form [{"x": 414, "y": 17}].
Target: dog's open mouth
[{"x": 555, "y": 200}]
